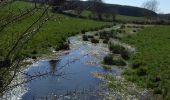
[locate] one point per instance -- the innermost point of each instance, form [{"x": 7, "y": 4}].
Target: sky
[{"x": 164, "y": 5}]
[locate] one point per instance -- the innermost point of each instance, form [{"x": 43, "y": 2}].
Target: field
[
  {"x": 118, "y": 17},
  {"x": 129, "y": 18},
  {"x": 55, "y": 30},
  {"x": 151, "y": 63}
]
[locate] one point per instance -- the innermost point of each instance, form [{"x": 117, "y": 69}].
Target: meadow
[
  {"x": 150, "y": 66},
  {"x": 56, "y": 30},
  {"x": 118, "y": 17}
]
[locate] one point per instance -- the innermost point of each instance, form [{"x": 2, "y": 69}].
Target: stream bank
[{"x": 78, "y": 74}]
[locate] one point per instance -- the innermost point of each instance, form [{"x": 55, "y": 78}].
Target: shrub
[
  {"x": 102, "y": 35},
  {"x": 83, "y": 31},
  {"x": 106, "y": 41},
  {"x": 129, "y": 26},
  {"x": 85, "y": 38},
  {"x": 123, "y": 26},
  {"x": 137, "y": 63},
  {"x": 142, "y": 27},
  {"x": 108, "y": 60},
  {"x": 90, "y": 36},
  {"x": 141, "y": 71},
  {"x": 34, "y": 52},
  {"x": 125, "y": 54},
  {"x": 109, "y": 68},
  {"x": 157, "y": 79},
  {"x": 120, "y": 31},
  {"x": 118, "y": 62},
  {"x": 96, "y": 34},
  {"x": 134, "y": 31},
  {"x": 1, "y": 81},
  {"x": 157, "y": 91},
  {"x": 5, "y": 63},
  {"x": 62, "y": 46},
  {"x": 107, "y": 34},
  {"x": 118, "y": 49},
  {"x": 93, "y": 40},
  {"x": 152, "y": 85},
  {"x": 34, "y": 57}
]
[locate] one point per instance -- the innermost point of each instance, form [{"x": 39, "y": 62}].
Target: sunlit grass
[{"x": 151, "y": 63}]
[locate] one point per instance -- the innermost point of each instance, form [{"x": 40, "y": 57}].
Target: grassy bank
[
  {"x": 151, "y": 62},
  {"x": 55, "y": 30}
]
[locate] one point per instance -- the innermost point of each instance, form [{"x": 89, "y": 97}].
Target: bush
[
  {"x": 157, "y": 91},
  {"x": 96, "y": 34},
  {"x": 62, "y": 46},
  {"x": 106, "y": 41},
  {"x": 123, "y": 26},
  {"x": 134, "y": 31},
  {"x": 107, "y": 34},
  {"x": 141, "y": 72},
  {"x": 34, "y": 52},
  {"x": 118, "y": 62},
  {"x": 137, "y": 63},
  {"x": 152, "y": 85},
  {"x": 34, "y": 57},
  {"x": 1, "y": 81},
  {"x": 129, "y": 26},
  {"x": 118, "y": 49},
  {"x": 120, "y": 31},
  {"x": 157, "y": 79},
  {"x": 5, "y": 63},
  {"x": 90, "y": 36},
  {"x": 83, "y": 31},
  {"x": 109, "y": 68},
  {"x": 142, "y": 27},
  {"x": 108, "y": 60},
  {"x": 93, "y": 40},
  {"x": 125, "y": 54},
  {"x": 85, "y": 38}
]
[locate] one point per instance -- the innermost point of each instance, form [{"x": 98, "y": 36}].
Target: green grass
[
  {"x": 118, "y": 17},
  {"x": 151, "y": 63},
  {"x": 14, "y": 8},
  {"x": 129, "y": 18},
  {"x": 55, "y": 30},
  {"x": 86, "y": 13}
]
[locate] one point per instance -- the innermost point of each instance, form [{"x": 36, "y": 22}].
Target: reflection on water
[
  {"x": 53, "y": 66},
  {"x": 72, "y": 71}
]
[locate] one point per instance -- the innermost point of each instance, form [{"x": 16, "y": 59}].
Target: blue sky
[{"x": 164, "y": 5}]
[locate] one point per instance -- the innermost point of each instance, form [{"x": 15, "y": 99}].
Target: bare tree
[
  {"x": 97, "y": 8},
  {"x": 77, "y": 8},
  {"x": 11, "y": 62},
  {"x": 114, "y": 13},
  {"x": 151, "y": 5}
]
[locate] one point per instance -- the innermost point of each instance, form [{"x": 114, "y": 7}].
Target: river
[{"x": 70, "y": 76}]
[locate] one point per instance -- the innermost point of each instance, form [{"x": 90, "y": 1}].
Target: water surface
[{"x": 72, "y": 72}]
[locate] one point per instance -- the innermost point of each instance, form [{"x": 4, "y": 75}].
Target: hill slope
[{"x": 110, "y": 8}]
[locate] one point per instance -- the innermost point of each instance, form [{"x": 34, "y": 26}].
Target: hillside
[{"x": 110, "y": 8}]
